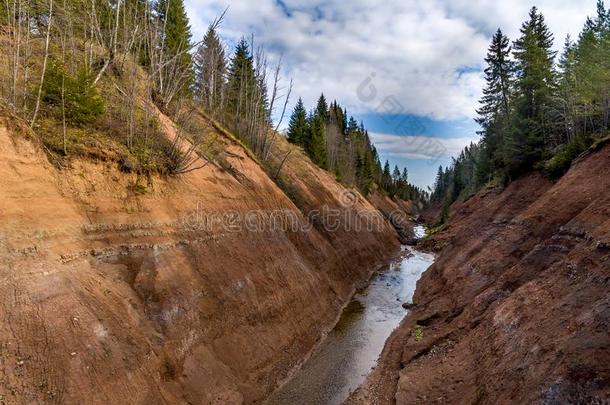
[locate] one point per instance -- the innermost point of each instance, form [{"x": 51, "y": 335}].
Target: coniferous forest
[
  {"x": 539, "y": 110},
  {"x": 343, "y": 147},
  {"x": 68, "y": 70}
]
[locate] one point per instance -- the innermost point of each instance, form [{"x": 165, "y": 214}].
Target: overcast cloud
[
  {"x": 427, "y": 54},
  {"x": 433, "y": 150}
]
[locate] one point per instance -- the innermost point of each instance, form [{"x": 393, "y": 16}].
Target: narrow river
[{"x": 349, "y": 352}]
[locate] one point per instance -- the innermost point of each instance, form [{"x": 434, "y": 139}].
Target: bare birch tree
[{"x": 44, "y": 63}]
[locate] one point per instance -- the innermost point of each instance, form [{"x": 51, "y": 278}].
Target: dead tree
[{"x": 44, "y": 63}]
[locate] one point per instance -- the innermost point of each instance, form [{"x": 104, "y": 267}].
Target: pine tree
[{"x": 298, "y": 128}]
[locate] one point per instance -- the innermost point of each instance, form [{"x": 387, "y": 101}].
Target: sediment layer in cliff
[
  {"x": 118, "y": 292},
  {"x": 516, "y": 308}
]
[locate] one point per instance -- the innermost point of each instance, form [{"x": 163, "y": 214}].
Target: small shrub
[
  {"x": 149, "y": 151},
  {"x": 82, "y": 103},
  {"x": 138, "y": 187},
  {"x": 436, "y": 229},
  {"x": 127, "y": 164},
  {"x": 498, "y": 180},
  {"x": 418, "y": 333},
  {"x": 561, "y": 162}
]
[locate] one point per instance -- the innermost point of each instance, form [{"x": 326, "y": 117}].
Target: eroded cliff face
[
  {"x": 398, "y": 213},
  {"x": 117, "y": 293},
  {"x": 516, "y": 308}
]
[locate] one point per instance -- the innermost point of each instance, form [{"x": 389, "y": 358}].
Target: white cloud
[
  {"x": 419, "y": 147},
  {"x": 426, "y": 54}
]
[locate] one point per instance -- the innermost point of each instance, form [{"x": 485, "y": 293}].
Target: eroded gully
[{"x": 349, "y": 352}]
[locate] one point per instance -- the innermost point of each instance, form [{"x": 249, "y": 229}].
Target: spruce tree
[
  {"x": 396, "y": 174},
  {"x": 317, "y": 140},
  {"x": 298, "y": 128},
  {"x": 337, "y": 116},
  {"x": 352, "y": 125},
  {"x": 366, "y": 173},
  {"x": 439, "y": 183},
  {"x": 386, "y": 177},
  {"x": 405, "y": 175},
  {"x": 498, "y": 77},
  {"x": 322, "y": 108},
  {"x": 602, "y": 22},
  {"x": 567, "y": 89},
  {"x": 177, "y": 32},
  {"x": 592, "y": 71},
  {"x": 210, "y": 71},
  {"x": 376, "y": 161},
  {"x": 241, "y": 81},
  {"x": 493, "y": 115},
  {"x": 535, "y": 85}
]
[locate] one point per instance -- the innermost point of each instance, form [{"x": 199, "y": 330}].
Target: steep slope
[
  {"x": 183, "y": 290},
  {"x": 516, "y": 308},
  {"x": 398, "y": 213}
]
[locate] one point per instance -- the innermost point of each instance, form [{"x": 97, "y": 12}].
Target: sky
[{"x": 411, "y": 70}]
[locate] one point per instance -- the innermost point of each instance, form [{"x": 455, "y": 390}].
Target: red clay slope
[
  {"x": 112, "y": 295},
  {"x": 516, "y": 308}
]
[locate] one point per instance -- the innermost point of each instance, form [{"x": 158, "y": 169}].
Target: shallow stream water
[{"x": 349, "y": 352}]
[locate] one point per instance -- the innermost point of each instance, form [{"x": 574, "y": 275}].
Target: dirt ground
[{"x": 516, "y": 308}]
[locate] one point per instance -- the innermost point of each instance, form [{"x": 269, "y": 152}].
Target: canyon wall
[
  {"x": 516, "y": 308},
  {"x": 118, "y": 289}
]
